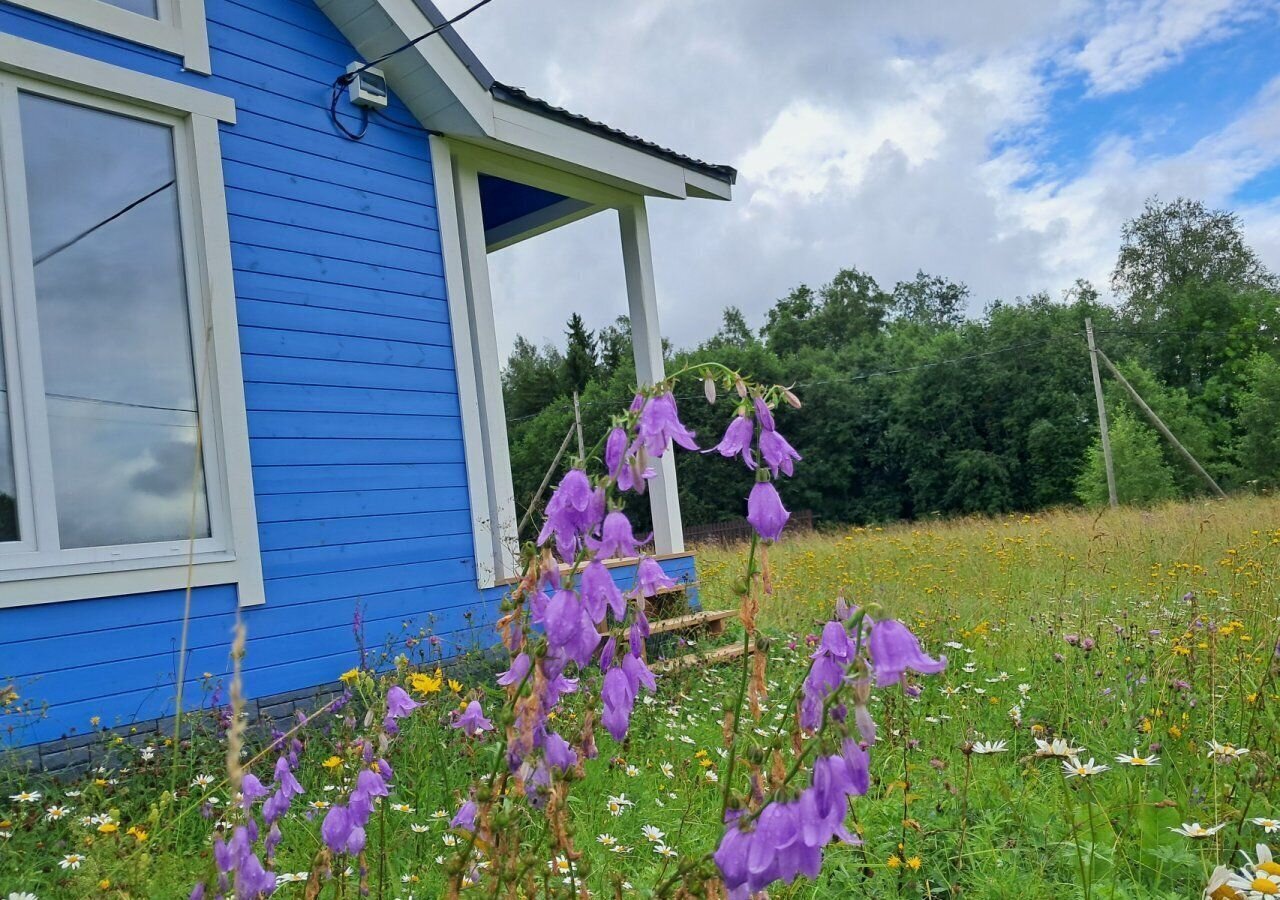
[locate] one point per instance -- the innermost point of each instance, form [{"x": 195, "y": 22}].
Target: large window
[
  {"x": 122, "y": 442},
  {"x": 175, "y": 26}
]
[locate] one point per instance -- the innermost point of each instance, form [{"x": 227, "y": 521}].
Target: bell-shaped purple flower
[
  {"x": 251, "y": 790},
  {"x": 599, "y": 590},
  {"x": 777, "y": 452},
  {"x": 285, "y": 781},
  {"x": 275, "y": 807},
  {"x": 737, "y": 441},
  {"x": 894, "y": 650},
  {"x": 573, "y": 510},
  {"x": 616, "y": 537},
  {"x": 399, "y": 703},
  {"x": 472, "y": 720},
  {"x": 764, "y": 415},
  {"x": 650, "y": 579},
  {"x": 619, "y": 697},
  {"x": 336, "y": 828},
  {"x": 765, "y": 511},
  {"x": 519, "y": 669},
  {"x": 466, "y": 817},
  {"x": 660, "y": 424},
  {"x": 558, "y": 752}
]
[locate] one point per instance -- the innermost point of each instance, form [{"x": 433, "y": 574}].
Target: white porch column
[
  {"x": 489, "y": 464},
  {"x": 646, "y": 339}
]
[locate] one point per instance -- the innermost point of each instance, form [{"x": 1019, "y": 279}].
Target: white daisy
[
  {"x": 1134, "y": 759},
  {"x": 985, "y": 747},
  {"x": 1196, "y": 830},
  {"x": 1073, "y": 768}
]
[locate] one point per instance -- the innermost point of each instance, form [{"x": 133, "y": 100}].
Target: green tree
[
  {"x": 580, "y": 360},
  {"x": 1182, "y": 243},
  {"x": 1257, "y": 449},
  {"x": 531, "y": 379},
  {"x": 930, "y": 301},
  {"x": 849, "y": 308},
  {"x": 1142, "y": 476}
]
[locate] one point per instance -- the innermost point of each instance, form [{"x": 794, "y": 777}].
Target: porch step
[
  {"x": 706, "y": 658},
  {"x": 713, "y": 621}
]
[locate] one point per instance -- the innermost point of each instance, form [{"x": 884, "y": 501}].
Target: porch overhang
[
  {"x": 508, "y": 166},
  {"x": 450, "y": 92}
]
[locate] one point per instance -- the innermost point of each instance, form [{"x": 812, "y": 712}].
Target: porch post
[
  {"x": 500, "y": 514},
  {"x": 646, "y": 340}
]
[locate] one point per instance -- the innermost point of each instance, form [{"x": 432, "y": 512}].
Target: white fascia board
[
  {"x": 443, "y": 94},
  {"x": 705, "y": 187},
  {"x": 588, "y": 154}
]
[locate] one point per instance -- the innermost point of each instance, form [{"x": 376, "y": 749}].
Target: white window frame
[
  {"x": 30, "y": 573},
  {"x": 179, "y": 27}
]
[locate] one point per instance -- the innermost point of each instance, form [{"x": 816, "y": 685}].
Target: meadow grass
[{"x": 1149, "y": 632}]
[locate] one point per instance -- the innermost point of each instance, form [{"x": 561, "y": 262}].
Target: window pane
[
  {"x": 145, "y": 7},
  {"x": 114, "y": 330},
  {"x": 8, "y": 488}
]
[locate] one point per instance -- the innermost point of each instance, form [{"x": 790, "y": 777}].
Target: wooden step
[
  {"x": 712, "y": 620},
  {"x": 706, "y": 658}
]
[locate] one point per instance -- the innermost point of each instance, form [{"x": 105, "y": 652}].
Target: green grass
[{"x": 938, "y": 821}]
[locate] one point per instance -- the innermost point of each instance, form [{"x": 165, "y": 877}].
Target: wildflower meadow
[{"x": 1063, "y": 705}]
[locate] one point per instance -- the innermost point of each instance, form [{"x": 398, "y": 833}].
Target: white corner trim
[
  {"x": 501, "y": 520},
  {"x": 180, "y": 28},
  {"x": 646, "y": 340},
  {"x": 464, "y": 361},
  {"x": 55, "y": 66}
]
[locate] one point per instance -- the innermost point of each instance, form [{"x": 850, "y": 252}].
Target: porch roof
[{"x": 449, "y": 90}]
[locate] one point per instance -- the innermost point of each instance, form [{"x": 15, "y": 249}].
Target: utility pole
[
  {"x": 1161, "y": 427},
  {"x": 1102, "y": 415},
  {"x": 577, "y": 422}
]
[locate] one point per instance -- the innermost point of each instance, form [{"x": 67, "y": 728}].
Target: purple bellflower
[
  {"x": 472, "y": 720},
  {"x": 765, "y": 511},
  {"x": 660, "y": 424},
  {"x": 894, "y": 650},
  {"x": 777, "y": 452},
  {"x": 737, "y": 441}
]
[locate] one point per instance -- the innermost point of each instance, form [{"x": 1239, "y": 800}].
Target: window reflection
[
  {"x": 8, "y": 487},
  {"x": 114, "y": 330},
  {"x": 143, "y": 7}
]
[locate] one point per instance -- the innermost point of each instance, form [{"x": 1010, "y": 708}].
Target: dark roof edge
[{"x": 518, "y": 97}]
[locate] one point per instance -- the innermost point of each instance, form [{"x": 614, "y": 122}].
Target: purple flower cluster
[
  {"x": 343, "y": 828},
  {"x": 786, "y": 839},
  {"x": 235, "y": 860},
  {"x": 765, "y": 511}
]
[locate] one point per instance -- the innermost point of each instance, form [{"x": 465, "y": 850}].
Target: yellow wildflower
[
  {"x": 333, "y": 762},
  {"x": 455, "y": 686},
  {"x": 424, "y": 683},
  {"x": 108, "y": 828},
  {"x": 137, "y": 833},
  {"x": 349, "y": 676}
]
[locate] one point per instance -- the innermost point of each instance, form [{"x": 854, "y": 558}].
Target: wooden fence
[{"x": 739, "y": 530}]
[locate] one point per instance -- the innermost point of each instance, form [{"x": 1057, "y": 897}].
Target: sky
[{"x": 1001, "y": 144}]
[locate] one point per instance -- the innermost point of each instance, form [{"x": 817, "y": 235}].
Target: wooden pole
[
  {"x": 1102, "y": 415},
  {"x": 577, "y": 421},
  {"x": 1161, "y": 427},
  {"x": 546, "y": 480}
]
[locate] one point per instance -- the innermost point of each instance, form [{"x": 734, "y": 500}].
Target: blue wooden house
[{"x": 248, "y": 342}]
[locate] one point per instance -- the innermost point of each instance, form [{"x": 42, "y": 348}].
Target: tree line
[{"x": 912, "y": 409}]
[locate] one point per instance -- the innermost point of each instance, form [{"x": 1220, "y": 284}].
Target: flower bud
[{"x": 709, "y": 388}]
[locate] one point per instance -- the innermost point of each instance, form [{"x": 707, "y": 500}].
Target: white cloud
[
  {"x": 887, "y": 136},
  {"x": 1140, "y": 37}
]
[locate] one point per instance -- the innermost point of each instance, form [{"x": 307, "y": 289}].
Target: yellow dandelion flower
[
  {"x": 423, "y": 683},
  {"x": 349, "y": 676},
  {"x": 333, "y": 762},
  {"x": 894, "y": 861},
  {"x": 108, "y": 828},
  {"x": 914, "y": 862}
]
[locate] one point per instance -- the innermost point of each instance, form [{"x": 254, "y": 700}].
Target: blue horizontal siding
[
  {"x": 352, "y": 399},
  {"x": 355, "y": 432}
]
